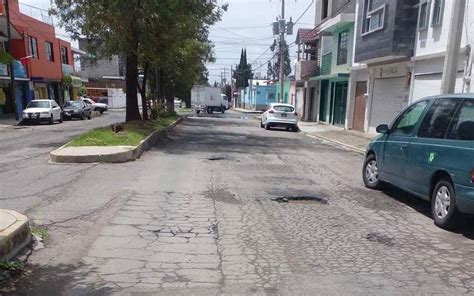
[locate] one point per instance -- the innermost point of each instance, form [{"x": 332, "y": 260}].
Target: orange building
[{"x": 47, "y": 59}]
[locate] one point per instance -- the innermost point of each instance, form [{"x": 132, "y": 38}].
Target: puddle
[
  {"x": 380, "y": 238},
  {"x": 302, "y": 198}
]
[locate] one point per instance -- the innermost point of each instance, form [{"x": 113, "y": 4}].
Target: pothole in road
[
  {"x": 380, "y": 238},
  {"x": 300, "y": 199},
  {"x": 218, "y": 157}
]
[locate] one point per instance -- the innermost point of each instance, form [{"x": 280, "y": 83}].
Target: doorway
[
  {"x": 358, "y": 123},
  {"x": 323, "y": 101},
  {"x": 340, "y": 100}
]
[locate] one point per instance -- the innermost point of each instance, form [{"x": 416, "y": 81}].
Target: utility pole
[
  {"x": 10, "y": 66},
  {"x": 452, "y": 53},
  {"x": 282, "y": 55}
]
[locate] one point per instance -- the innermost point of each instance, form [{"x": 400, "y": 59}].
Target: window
[
  {"x": 436, "y": 122},
  {"x": 406, "y": 123},
  {"x": 33, "y": 47},
  {"x": 325, "y": 9},
  {"x": 373, "y": 17},
  {"x": 423, "y": 15},
  {"x": 438, "y": 9},
  {"x": 48, "y": 46},
  {"x": 283, "y": 108},
  {"x": 2, "y": 47},
  {"x": 462, "y": 127},
  {"x": 64, "y": 55},
  {"x": 342, "y": 48}
]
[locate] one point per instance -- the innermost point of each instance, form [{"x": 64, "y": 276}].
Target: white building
[{"x": 430, "y": 48}]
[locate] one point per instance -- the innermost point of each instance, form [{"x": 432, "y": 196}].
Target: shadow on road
[
  {"x": 466, "y": 223},
  {"x": 52, "y": 280}
]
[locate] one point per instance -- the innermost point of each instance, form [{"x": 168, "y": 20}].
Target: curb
[
  {"x": 346, "y": 146},
  {"x": 247, "y": 111},
  {"x": 14, "y": 237},
  {"x": 124, "y": 156}
]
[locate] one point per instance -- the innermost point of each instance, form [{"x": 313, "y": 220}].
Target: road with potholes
[{"x": 201, "y": 214}]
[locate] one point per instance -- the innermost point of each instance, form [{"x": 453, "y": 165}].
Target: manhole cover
[
  {"x": 302, "y": 198},
  {"x": 380, "y": 238}
]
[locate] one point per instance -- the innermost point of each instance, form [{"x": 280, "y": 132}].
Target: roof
[
  {"x": 451, "y": 96},
  {"x": 306, "y": 35}
]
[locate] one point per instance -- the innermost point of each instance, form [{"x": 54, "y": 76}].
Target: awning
[{"x": 331, "y": 76}]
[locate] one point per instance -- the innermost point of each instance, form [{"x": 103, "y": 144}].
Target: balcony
[{"x": 306, "y": 69}]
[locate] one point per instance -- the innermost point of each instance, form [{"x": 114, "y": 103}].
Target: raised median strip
[
  {"x": 111, "y": 149},
  {"x": 14, "y": 233}
]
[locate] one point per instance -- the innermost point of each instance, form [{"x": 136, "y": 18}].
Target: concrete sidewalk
[
  {"x": 352, "y": 140},
  {"x": 14, "y": 233},
  {"x": 7, "y": 120},
  {"x": 247, "y": 111}
]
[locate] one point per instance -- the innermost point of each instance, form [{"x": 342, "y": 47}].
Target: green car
[{"x": 428, "y": 151}]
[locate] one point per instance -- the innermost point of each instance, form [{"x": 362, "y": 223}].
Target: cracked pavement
[{"x": 195, "y": 216}]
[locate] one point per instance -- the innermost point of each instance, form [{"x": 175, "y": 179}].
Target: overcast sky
[{"x": 247, "y": 23}]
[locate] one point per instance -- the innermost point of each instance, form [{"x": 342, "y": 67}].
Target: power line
[{"x": 304, "y": 12}]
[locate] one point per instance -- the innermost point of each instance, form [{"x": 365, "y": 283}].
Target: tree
[
  {"x": 228, "y": 92},
  {"x": 270, "y": 73},
  {"x": 287, "y": 62},
  {"x": 243, "y": 71},
  {"x": 149, "y": 33}
]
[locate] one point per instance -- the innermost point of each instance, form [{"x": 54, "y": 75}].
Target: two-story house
[
  {"x": 432, "y": 37},
  {"x": 47, "y": 58},
  {"x": 307, "y": 66},
  {"x": 385, "y": 35},
  {"x": 337, "y": 42}
]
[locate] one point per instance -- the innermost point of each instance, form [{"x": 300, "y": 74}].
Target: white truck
[{"x": 207, "y": 99}]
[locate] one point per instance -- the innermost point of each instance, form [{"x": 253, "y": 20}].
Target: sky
[{"x": 246, "y": 24}]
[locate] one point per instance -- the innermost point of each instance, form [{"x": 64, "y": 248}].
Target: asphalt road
[{"x": 199, "y": 214}]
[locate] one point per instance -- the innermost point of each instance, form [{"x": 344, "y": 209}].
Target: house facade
[
  {"x": 432, "y": 37},
  {"x": 258, "y": 95},
  {"x": 325, "y": 61},
  {"x": 384, "y": 33},
  {"x": 42, "y": 59}
]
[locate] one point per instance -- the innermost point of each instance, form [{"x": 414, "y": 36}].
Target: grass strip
[{"x": 133, "y": 133}]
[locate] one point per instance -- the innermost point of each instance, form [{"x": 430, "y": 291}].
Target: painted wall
[
  {"x": 286, "y": 91},
  {"x": 396, "y": 37},
  {"x": 435, "y": 39},
  {"x": 259, "y": 97},
  {"x": 343, "y": 68},
  {"x": 28, "y": 26}
]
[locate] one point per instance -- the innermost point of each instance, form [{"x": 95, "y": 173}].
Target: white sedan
[
  {"x": 280, "y": 115},
  {"x": 101, "y": 107},
  {"x": 42, "y": 110}
]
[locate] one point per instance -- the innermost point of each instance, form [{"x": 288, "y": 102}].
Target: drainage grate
[
  {"x": 380, "y": 238},
  {"x": 285, "y": 199}
]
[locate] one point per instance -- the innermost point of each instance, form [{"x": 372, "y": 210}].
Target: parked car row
[{"x": 49, "y": 111}]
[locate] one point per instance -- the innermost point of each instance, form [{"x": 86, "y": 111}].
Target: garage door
[
  {"x": 388, "y": 100},
  {"x": 430, "y": 85}
]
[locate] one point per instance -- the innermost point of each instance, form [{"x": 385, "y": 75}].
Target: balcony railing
[{"x": 306, "y": 69}]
